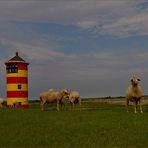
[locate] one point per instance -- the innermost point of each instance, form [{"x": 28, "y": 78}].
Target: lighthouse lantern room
[{"x": 17, "y": 82}]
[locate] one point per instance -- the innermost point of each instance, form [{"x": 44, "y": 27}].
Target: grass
[{"x": 96, "y": 125}]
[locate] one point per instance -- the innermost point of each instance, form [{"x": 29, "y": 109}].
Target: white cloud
[
  {"x": 40, "y": 54},
  {"x": 34, "y": 52},
  {"x": 117, "y": 18},
  {"x": 128, "y": 25},
  {"x": 87, "y": 24}
]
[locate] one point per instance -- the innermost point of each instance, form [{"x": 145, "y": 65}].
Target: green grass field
[{"x": 96, "y": 125}]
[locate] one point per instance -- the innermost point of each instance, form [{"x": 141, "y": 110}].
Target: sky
[{"x": 93, "y": 47}]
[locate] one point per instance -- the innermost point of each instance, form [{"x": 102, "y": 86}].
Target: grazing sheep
[
  {"x": 53, "y": 96},
  {"x": 17, "y": 104},
  {"x": 3, "y": 103},
  {"x": 134, "y": 94},
  {"x": 74, "y": 98}
]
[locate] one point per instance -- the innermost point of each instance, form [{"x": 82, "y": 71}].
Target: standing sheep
[
  {"x": 134, "y": 94},
  {"x": 74, "y": 98},
  {"x": 53, "y": 96}
]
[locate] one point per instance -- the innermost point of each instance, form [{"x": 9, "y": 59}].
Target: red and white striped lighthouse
[{"x": 17, "y": 82}]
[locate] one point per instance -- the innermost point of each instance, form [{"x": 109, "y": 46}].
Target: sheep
[
  {"x": 134, "y": 94},
  {"x": 74, "y": 98},
  {"x": 53, "y": 96},
  {"x": 3, "y": 103},
  {"x": 16, "y": 104}
]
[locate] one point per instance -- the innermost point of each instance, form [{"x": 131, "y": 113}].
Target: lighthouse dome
[{"x": 16, "y": 59}]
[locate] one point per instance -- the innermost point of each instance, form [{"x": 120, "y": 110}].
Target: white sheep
[
  {"x": 134, "y": 94},
  {"x": 16, "y": 104},
  {"x": 74, "y": 98},
  {"x": 53, "y": 96}
]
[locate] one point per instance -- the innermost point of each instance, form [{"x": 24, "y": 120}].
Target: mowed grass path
[{"x": 96, "y": 125}]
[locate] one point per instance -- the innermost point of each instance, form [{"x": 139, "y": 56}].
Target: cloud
[
  {"x": 128, "y": 25},
  {"x": 40, "y": 54},
  {"x": 34, "y": 52},
  {"x": 116, "y": 18},
  {"x": 87, "y": 24}
]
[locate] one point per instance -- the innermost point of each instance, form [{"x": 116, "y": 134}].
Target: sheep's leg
[
  {"x": 127, "y": 104},
  {"x": 80, "y": 103},
  {"x": 72, "y": 105},
  {"x": 62, "y": 105},
  {"x": 58, "y": 105},
  {"x": 135, "y": 104},
  {"x": 42, "y": 106},
  {"x": 140, "y": 107}
]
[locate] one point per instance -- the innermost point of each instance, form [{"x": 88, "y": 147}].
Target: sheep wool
[
  {"x": 134, "y": 94},
  {"x": 74, "y": 98},
  {"x": 52, "y": 96}
]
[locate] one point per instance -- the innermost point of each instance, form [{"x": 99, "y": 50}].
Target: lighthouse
[{"x": 17, "y": 82}]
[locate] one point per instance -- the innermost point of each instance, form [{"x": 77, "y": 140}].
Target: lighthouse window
[
  {"x": 19, "y": 86},
  {"x": 12, "y": 68}
]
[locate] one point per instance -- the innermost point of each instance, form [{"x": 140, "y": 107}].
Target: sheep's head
[
  {"x": 66, "y": 91},
  {"x": 135, "y": 81}
]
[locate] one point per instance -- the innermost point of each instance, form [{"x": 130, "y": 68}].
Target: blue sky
[{"x": 94, "y": 47}]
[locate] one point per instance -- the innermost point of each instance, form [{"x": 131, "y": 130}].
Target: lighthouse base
[
  {"x": 24, "y": 106},
  {"x": 17, "y": 103}
]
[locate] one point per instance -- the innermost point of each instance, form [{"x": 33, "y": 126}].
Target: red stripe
[
  {"x": 11, "y": 80},
  {"x": 17, "y": 94},
  {"x": 22, "y": 66}
]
